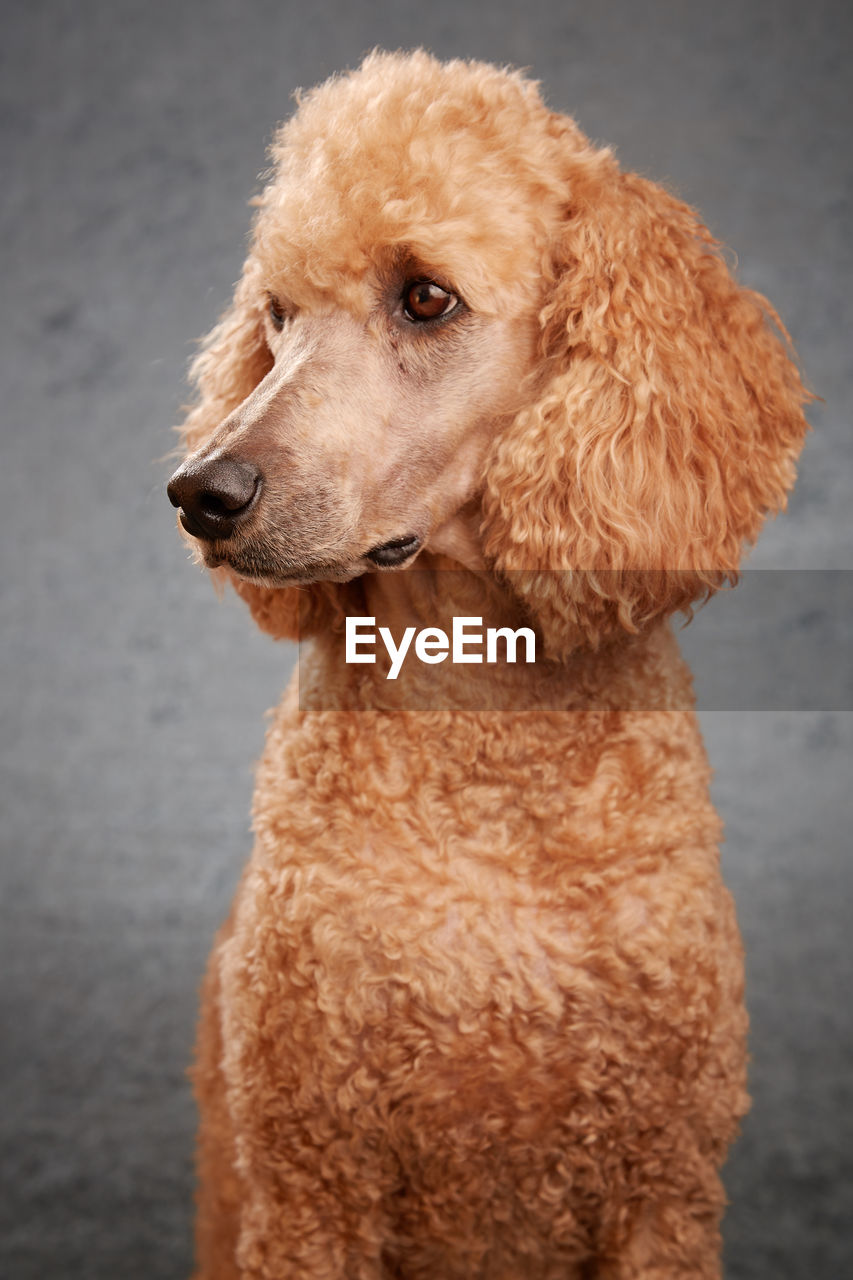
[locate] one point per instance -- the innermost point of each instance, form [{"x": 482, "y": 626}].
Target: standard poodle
[{"x": 478, "y": 1008}]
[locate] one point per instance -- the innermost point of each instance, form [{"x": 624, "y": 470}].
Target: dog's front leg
[
  {"x": 309, "y": 1234},
  {"x": 674, "y": 1238},
  {"x": 220, "y": 1192},
  {"x": 293, "y": 1180},
  {"x": 271, "y": 1208}
]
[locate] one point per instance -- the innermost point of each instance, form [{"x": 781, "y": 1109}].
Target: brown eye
[
  {"x": 426, "y": 300},
  {"x": 277, "y": 314}
]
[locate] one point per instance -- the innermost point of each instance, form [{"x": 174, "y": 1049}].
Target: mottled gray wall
[{"x": 132, "y": 702}]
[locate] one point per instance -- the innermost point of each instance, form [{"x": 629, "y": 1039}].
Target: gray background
[{"x": 132, "y": 701}]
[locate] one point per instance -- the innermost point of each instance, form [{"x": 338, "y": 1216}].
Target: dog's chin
[{"x": 280, "y": 573}]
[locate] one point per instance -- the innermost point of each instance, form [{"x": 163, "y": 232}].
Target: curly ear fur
[
  {"x": 666, "y": 433},
  {"x": 233, "y": 359}
]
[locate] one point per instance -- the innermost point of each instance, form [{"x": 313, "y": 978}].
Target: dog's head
[{"x": 453, "y": 302}]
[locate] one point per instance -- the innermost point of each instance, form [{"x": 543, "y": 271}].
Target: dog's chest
[{"x": 467, "y": 875}]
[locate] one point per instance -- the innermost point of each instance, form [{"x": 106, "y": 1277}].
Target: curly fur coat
[{"x": 477, "y": 1010}]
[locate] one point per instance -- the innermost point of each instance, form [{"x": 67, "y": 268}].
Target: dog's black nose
[{"x": 215, "y": 496}]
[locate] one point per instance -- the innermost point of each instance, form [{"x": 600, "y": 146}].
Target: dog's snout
[{"x": 214, "y": 496}]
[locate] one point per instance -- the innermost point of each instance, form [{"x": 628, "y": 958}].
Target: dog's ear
[
  {"x": 233, "y": 359},
  {"x": 667, "y": 430}
]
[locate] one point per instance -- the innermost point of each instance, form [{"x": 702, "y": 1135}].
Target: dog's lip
[
  {"x": 388, "y": 555},
  {"x": 385, "y": 555}
]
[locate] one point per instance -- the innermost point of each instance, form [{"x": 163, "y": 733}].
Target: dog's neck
[{"x": 637, "y": 673}]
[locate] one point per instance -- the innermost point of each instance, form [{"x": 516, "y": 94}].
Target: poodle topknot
[{"x": 478, "y": 1007}]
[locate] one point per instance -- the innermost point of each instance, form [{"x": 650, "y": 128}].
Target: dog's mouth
[{"x": 389, "y": 555}]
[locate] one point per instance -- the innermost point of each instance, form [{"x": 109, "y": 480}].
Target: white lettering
[
  {"x": 461, "y": 637},
  {"x": 396, "y": 654},
  {"x": 431, "y": 645},
  {"x": 511, "y": 638},
  {"x": 353, "y": 640}
]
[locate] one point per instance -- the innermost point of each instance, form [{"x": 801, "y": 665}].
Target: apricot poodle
[{"x": 478, "y": 1008}]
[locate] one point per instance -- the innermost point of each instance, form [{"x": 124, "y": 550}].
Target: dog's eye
[
  {"x": 426, "y": 300},
  {"x": 277, "y": 313}
]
